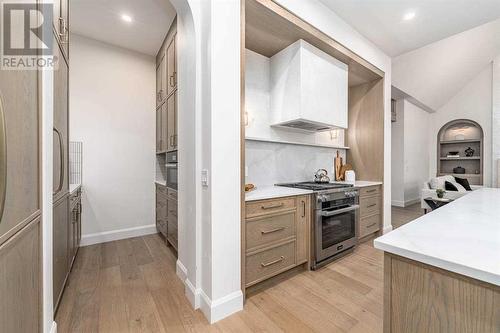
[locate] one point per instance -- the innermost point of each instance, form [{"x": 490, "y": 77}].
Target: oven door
[
  {"x": 336, "y": 231},
  {"x": 171, "y": 175}
]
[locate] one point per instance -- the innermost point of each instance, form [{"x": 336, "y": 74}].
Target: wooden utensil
[{"x": 343, "y": 169}]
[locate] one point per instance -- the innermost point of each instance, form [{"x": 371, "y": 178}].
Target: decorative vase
[
  {"x": 440, "y": 194},
  {"x": 469, "y": 152}
]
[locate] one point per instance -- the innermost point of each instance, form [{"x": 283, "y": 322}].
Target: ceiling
[
  {"x": 381, "y": 21},
  {"x": 101, "y": 20}
]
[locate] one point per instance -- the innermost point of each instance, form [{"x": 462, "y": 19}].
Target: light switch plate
[{"x": 204, "y": 177}]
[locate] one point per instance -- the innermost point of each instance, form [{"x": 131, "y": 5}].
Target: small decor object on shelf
[
  {"x": 469, "y": 152},
  {"x": 440, "y": 193},
  {"x": 453, "y": 154},
  {"x": 459, "y": 169}
]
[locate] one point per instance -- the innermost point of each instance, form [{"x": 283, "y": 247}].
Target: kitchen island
[{"x": 442, "y": 270}]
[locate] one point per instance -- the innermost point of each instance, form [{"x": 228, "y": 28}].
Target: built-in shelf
[
  {"x": 296, "y": 143},
  {"x": 460, "y": 158},
  {"x": 461, "y": 175},
  {"x": 459, "y": 141}
]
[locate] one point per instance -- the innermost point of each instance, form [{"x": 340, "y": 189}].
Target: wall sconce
[{"x": 334, "y": 134}]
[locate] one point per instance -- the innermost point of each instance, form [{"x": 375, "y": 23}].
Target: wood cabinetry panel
[
  {"x": 262, "y": 265},
  {"x": 303, "y": 228},
  {"x": 369, "y": 225},
  {"x": 422, "y": 298},
  {"x": 257, "y": 208},
  {"x": 369, "y": 206},
  {"x": 270, "y": 228},
  {"x": 21, "y": 276},
  {"x": 60, "y": 251}
]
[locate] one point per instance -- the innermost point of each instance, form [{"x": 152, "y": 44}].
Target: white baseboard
[
  {"x": 387, "y": 229},
  {"x": 108, "y": 236},
  {"x": 53, "y": 329},
  {"x": 192, "y": 294},
  {"x": 222, "y": 307},
  {"x": 406, "y": 203}
]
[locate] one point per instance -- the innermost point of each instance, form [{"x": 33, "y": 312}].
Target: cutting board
[{"x": 338, "y": 166}]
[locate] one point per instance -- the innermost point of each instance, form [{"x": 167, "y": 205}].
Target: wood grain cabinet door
[
  {"x": 158, "y": 130},
  {"x": 303, "y": 228},
  {"x": 20, "y": 281},
  {"x": 60, "y": 130},
  {"x": 164, "y": 128},
  {"x": 19, "y": 150},
  {"x": 60, "y": 249},
  {"x": 161, "y": 91},
  {"x": 171, "y": 66},
  {"x": 172, "y": 122}
]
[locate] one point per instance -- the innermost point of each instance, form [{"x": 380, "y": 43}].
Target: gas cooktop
[{"x": 313, "y": 186}]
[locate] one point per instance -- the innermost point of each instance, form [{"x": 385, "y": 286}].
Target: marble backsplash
[{"x": 269, "y": 163}]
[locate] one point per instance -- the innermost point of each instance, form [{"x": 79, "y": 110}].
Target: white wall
[
  {"x": 473, "y": 101},
  {"x": 416, "y": 165},
  {"x": 433, "y": 74},
  {"x": 495, "y": 138},
  {"x": 112, "y": 107},
  {"x": 410, "y": 149},
  {"x": 397, "y": 155}
]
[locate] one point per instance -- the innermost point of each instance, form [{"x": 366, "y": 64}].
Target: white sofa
[{"x": 430, "y": 187}]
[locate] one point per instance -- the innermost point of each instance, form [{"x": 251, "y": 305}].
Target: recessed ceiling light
[
  {"x": 126, "y": 18},
  {"x": 409, "y": 16}
]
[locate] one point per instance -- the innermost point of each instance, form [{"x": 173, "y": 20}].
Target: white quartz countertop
[
  {"x": 269, "y": 192},
  {"x": 362, "y": 183},
  {"x": 462, "y": 236},
  {"x": 74, "y": 187}
]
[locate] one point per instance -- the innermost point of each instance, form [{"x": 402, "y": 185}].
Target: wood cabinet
[
  {"x": 172, "y": 65},
  {"x": 60, "y": 259},
  {"x": 161, "y": 209},
  {"x": 277, "y": 236},
  {"x": 74, "y": 226},
  {"x": 61, "y": 24},
  {"x": 172, "y": 122},
  {"x": 161, "y": 89},
  {"x": 20, "y": 281},
  {"x": 173, "y": 231},
  {"x": 370, "y": 211},
  {"x": 162, "y": 129},
  {"x": 20, "y": 201},
  {"x": 60, "y": 176}
]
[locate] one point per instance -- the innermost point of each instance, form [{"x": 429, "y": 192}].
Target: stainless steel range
[{"x": 335, "y": 220}]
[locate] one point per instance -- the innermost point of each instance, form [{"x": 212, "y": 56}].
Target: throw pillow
[
  {"x": 464, "y": 182},
  {"x": 454, "y": 187}
]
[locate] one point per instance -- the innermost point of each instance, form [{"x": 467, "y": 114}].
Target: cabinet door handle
[
  {"x": 272, "y": 206},
  {"x": 61, "y": 163},
  {"x": 170, "y": 80},
  {"x": 304, "y": 208},
  {"x": 371, "y": 191},
  {"x": 371, "y": 225},
  {"x": 273, "y": 262},
  {"x": 3, "y": 160},
  {"x": 265, "y": 232},
  {"x": 372, "y": 205}
]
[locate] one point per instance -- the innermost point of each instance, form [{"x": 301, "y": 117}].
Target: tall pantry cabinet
[
  {"x": 166, "y": 133},
  {"x": 62, "y": 232},
  {"x": 20, "y": 200}
]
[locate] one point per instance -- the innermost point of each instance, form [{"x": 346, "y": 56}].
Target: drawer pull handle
[
  {"x": 265, "y": 232},
  {"x": 273, "y": 262},
  {"x": 371, "y": 225},
  {"x": 371, "y": 191},
  {"x": 372, "y": 205},
  {"x": 272, "y": 206}
]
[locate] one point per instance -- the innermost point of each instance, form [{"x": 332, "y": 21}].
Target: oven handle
[
  {"x": 339, "y": 211},
  {"x": 171, "y": 165}
]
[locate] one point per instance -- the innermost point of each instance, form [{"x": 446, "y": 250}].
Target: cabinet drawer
[
  {"x": 161, "y": 225},
  {"x": 172, "y": 234},
  {"x": 369, "y": 206},
  {"x": 161, "y": 190},
  {"x": 269, "y": 206},
  {"x": 370, "y": 190},
  {"x": 265, "y": 264},
  {"x": 269, "y": 228},
  {"x": 369, "y": 225},
  {"x": 172, "y": 209}
]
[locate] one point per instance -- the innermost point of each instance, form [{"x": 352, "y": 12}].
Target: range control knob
[{"x": 322, "y": 198}]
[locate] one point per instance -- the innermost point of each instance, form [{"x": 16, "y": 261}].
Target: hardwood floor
[
  {"x": 131, "y": 286},
  {"x": 401, "y": 216}
]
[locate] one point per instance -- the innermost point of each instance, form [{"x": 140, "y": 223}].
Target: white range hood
[{"x": 308, "y": 89}]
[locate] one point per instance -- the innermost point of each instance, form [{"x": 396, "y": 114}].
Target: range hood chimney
[{"x": 308, "y": 89}]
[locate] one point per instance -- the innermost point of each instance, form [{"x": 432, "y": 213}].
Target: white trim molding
[
  {"x": 192, "y": 294},
  {"x": 387, "y": 229},
  {"x": 406, "y": 203},
  {"x": 53, "y": 329},
  {"x": 109, "y": 236},
  {"x": 222, "y": 307}
]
